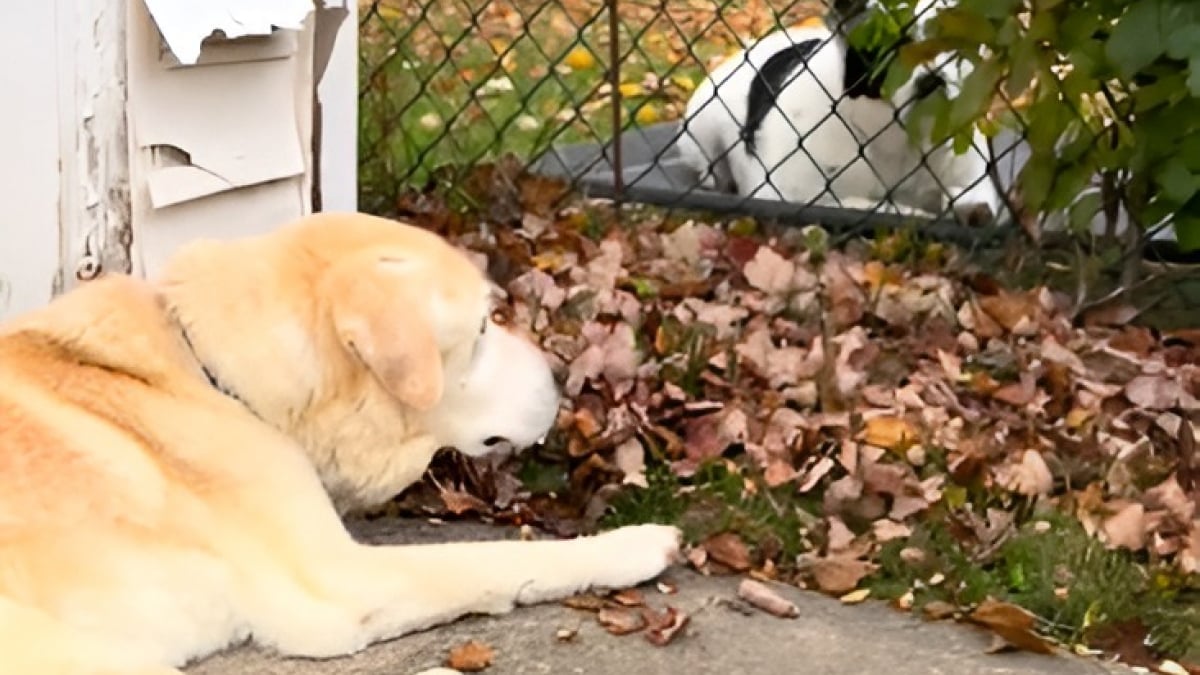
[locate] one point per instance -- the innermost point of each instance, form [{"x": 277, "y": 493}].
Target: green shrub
[{"x": 1108, "y": 87}]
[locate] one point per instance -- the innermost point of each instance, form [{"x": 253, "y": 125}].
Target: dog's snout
[{"x": 927, "y": 83}]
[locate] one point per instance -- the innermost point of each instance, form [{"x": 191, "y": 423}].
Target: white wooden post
[
  {"x": 94, "y": 217},
  {"x": 338, "y": 93}
]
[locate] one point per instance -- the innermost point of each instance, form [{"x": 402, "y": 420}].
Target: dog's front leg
[{"x": 409, "y": 588}]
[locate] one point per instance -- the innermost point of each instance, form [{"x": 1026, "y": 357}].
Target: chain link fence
[{"x": 675, "y": 104}]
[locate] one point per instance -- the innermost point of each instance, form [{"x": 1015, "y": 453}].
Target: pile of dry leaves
[{"x": 880, "y": 387}]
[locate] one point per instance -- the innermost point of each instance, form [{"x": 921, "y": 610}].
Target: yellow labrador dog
[{"x": 174, "y": 455}]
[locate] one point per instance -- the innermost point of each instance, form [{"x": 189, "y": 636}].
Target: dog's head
[
  {"x": 370, "y": 342},
  {"x": 420, "y": 320}
]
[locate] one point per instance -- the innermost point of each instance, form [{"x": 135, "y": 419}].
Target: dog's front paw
[{"x": 637, "y": 553}]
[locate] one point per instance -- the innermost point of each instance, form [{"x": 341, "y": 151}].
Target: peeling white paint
[
  {"x": 185, "y": 24},
  {"x": 94, "y": 217}
]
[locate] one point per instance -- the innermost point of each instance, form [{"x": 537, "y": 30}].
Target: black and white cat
[{"x": 797, "y": 116}]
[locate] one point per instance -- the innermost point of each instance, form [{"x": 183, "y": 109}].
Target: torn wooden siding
[
  {"x": 186, "y": 24},
  {"x": 144, "y": 124},
  {"x": 221, "y": 119}
]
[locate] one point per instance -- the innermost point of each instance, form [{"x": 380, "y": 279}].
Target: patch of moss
[
  {"x": 909, "y": 247},
  {"x": 1051, "y": 567},
  {"x": 716, "y": 499},
  {"x": 692, "y": 346}
]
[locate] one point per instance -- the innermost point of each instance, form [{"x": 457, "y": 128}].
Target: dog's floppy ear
[{"x": 382, "y": 315}]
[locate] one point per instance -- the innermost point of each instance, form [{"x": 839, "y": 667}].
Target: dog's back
[{"x": 87, "y": 476}]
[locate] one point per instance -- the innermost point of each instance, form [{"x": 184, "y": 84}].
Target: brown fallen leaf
[
  {"x": 1126, "y": 639},
  {"x": 838, "y": 575},
  {"x": 912, "y": 555},
  {"x": 1111, "y": 314},
  {"x": 762, "y": 597},
  {"x": 1010, "y": 309},
  {"x": 629, "y": 597},
  {"x": 621, "y": 620},
  {"x": 728, "y": 549},
  {"x": 1017, "y": 394},
  {"x": 839, "y": 537},
  {"x": 888, "y": 432},
  {"x": 936, "y": 610},
  {"x": 1031, "y": 476},
  {"x": 662, "y": 627},
  {"x": 1013, "y": 623},
  {"x": 1189, "y": 459},
  {"x": 470, "y": 657},
  {"x": 1189, "y": 557},
  {"x": 1126, "y": 528},
  {"x": 1153, "y": 392},
  {"x": 630, "y": 458},
  {"x": 998, "y": 645},
  {"x": 846, "y": 300},
  {"x": 588, "y": 602},
  {"x": 586, "y": 423},
  {"x": 887, "y": 530},
  {"x": 770, "y": 272},
  {"x": 458, "y": 502}
]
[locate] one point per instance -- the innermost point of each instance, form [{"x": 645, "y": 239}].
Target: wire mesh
[{"x": 611, "y": 96}]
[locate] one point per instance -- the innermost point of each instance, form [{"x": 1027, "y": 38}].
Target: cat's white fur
[{"x": 814, "y": 136}]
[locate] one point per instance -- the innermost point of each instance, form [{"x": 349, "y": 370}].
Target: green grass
[
  {"x": 714, "y": 500},
  {"x": 1050, "y": 566},
  {"x": 1069, "y": 580}
]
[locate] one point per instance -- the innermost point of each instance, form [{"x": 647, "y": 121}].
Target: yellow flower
[
  {"x": 580, "y": 58},
  {"x": 646, "y": 115},
  {"x": 683, "y": 82},
  {"x": 631, "y": 89}
]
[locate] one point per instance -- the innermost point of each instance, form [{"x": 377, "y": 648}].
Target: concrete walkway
[{"x": 827, "y": 639}]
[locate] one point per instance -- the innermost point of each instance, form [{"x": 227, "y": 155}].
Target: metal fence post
[{"x": 614, "y": 76}]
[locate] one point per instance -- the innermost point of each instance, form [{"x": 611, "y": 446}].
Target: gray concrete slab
[{"x": 828, "y": 638}]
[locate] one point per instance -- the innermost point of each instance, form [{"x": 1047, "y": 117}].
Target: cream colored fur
[{"x": 149, "y": 517}]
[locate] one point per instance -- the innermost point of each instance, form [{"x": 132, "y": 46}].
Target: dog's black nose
[
  {"x": 494, "y": 440},
  {"x": 927, "y": 83}
]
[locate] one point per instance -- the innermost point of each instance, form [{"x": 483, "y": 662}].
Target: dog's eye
[{"x": 499, "y": 316}]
